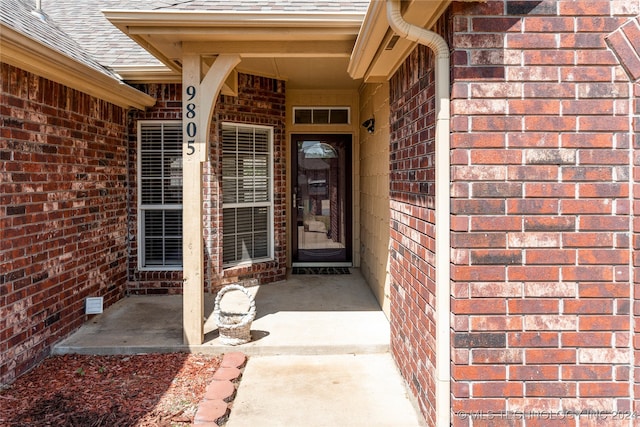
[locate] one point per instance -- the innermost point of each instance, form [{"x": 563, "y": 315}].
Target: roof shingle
[
  {"x": 83, "y": 21},
  {"x": 17, "y": 14}
]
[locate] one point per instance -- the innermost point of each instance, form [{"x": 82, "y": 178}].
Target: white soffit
[
  {"x": 272, "y": 44},
  {"x": 377, "y": 54}
]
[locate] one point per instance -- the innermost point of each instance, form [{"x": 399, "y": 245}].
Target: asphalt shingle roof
[
  {"x": 17, "y": 14},
  {"x": 83, "y": 21}
]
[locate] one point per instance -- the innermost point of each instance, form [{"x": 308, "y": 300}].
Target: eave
[
  {"x": 377, "y": 54},
  {"x": 23, "y": 52},
  {"x": 219, "y": 19}
]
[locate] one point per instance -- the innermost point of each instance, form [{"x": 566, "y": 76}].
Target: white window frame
[
  {"x": 144, "y": 207},
  {"x": 320, "y": 108},
  {"x": 269, "y": 204}
]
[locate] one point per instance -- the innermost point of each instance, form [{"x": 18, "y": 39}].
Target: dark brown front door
[{"x": 321, "y": 198}]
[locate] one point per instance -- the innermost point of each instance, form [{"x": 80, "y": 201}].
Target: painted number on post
[{"x": 190, "y": 115}]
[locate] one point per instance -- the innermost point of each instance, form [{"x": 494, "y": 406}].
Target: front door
[{"x": 321, "y": 167}]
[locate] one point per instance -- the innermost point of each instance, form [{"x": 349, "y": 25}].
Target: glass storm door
[{"x": 321, "y": 198}]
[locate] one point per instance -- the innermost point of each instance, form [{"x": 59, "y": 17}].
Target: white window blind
[
  {"x": 247, "y": 182},
  {"x": 160, "y": 194}
]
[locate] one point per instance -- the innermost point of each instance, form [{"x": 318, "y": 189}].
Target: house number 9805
[{"x": 190, "y": 114}]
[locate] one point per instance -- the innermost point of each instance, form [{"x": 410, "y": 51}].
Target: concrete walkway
[
  {"x": 319, "y": 354},
  {"x": 362, "y": 390}
]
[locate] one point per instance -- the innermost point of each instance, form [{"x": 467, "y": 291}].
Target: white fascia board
[
  {"x": 372, "y": 32},
  {"x": 211, "y": 19},
  {"x": 30, "y": 55},
  {"x": 369, "y": 59}
]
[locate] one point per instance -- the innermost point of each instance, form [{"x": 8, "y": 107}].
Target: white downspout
[{"x": 443, "y": 210}]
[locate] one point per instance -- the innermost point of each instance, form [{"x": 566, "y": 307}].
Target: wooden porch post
[{"x": 198, "y": 99}]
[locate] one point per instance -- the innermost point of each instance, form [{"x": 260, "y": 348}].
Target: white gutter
[
  {"x": 443, "y": 210},
  {"x": 160, "y": 20},
  {"x": 371, "y": 35},
  {"x": 31, "y": 55}
]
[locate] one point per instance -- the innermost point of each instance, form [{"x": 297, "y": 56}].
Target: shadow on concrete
[{"x": 305, "y": 314}]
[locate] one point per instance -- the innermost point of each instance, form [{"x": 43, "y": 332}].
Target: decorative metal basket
[{"x": 234, "y": 328}]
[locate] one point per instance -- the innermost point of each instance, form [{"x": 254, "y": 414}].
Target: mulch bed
[{"x": 116, "y": 391}]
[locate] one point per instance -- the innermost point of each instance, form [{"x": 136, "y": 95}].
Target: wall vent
[
  {"x": 392, "y": 42},
  {"x": 93, "y": 305}
]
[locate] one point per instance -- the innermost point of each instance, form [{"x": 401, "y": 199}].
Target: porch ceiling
[{"x": 308, "y": 50}]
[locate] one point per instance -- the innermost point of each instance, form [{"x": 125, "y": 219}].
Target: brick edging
[{"x": 213, "y": 410}]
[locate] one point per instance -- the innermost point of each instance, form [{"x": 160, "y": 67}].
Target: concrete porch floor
[
  {"x": 306, "y": 314},
  {"x": 319, "y": 354}
]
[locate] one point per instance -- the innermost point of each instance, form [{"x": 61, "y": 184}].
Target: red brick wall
[
  {"x": 412, "y": 245},
  {"x": 625, "y": 43},
  {"x": 541, "y": 209},
  {"x": 636, "y": 247},
  {"x": 261, "y": 101},
  {"x": 68, "y": 185},
  {"x": 542, "y": 154},
  {"x": 63, "y": 209}
]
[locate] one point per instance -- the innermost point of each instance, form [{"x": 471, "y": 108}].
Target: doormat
[{"x": 321, "y": 270}]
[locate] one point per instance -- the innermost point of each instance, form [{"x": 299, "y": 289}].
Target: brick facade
[
  {"x": 636, "y": 247},
  {"x": 412, "y": 234},
  {"x": 68, "y": 205},
  {"x": 545, "y": 285},
  {"x": 541, "y": 207},
  {"x": 543, "y": 310},
  {"x": 63, "y": 210},
  {"x": 260, "y": 101}
]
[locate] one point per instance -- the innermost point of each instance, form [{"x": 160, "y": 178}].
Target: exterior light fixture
[{"x": 370, "y": 125}]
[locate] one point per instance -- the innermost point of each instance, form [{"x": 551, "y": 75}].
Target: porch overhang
[
  {"x": 305, "y": 48},
  {"x": 378, "y": 51}
]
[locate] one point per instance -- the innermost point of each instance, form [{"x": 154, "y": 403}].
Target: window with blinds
[
  {"x": 160, "y": 195},
  {"x": 247, "y": 182}
]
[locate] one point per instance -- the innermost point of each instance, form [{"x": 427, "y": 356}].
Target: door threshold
[{"x": 322, "y": 264}]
